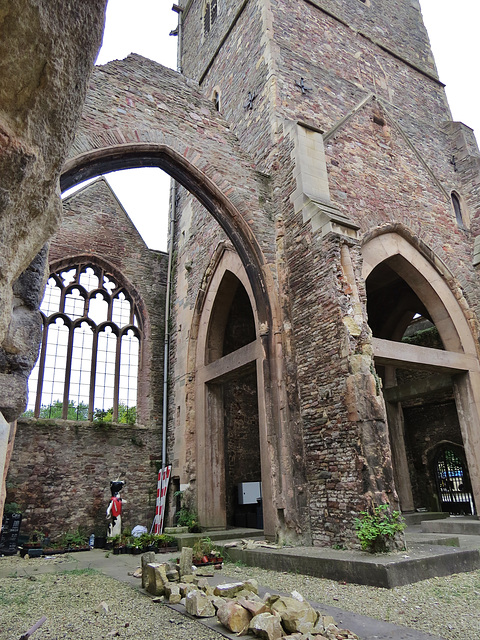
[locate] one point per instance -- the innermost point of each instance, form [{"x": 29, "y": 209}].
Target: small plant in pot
[
  {"x": 113, "y": 542},
  {"x": 34, "y": 546},
  {"x": 74, "y": 541},
  {"x": 204, "y": 552},
  {"x": 137, "y": 546}
]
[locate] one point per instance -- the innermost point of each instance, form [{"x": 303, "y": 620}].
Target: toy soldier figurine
[{"x": 114, "y": 511}]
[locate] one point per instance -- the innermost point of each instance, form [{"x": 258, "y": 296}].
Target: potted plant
[
  {"x": 34, "y": 546},
  {"x": 74, "y": 541},
  {"x": 137, "y": 546},
  {"x": 165, "y": 543},
  {"x": 204, "y": 553},
  {"x": 113, "y": 543}
]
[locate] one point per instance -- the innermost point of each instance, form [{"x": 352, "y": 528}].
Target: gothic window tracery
[{"x": 89, "y": 359}]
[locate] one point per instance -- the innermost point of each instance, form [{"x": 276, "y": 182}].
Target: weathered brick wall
[
  {"x": 60, "y": 474},
  {"x": 390, "y": 162}
]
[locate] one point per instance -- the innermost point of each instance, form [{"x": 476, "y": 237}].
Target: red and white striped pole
[{"x": 162, "y": 486}]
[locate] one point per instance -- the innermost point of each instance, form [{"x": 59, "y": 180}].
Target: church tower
[{"x": 372, "y": 194}]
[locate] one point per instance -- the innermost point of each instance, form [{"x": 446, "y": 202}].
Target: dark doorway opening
[{"x": 453, "y": 483}]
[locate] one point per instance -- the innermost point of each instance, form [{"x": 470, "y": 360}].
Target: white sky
[{"x": 143, "y": 26}]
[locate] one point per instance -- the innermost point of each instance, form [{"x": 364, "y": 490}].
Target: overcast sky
[{"x": 143, "y": 26}]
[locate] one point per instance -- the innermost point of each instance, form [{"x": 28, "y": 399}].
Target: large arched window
[{"x": 89, "y": 358}]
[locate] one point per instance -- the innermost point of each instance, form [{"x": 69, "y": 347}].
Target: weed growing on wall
[{"x": 378, "y": 528}]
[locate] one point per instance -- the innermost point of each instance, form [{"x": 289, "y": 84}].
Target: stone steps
[{"x": 461, "y": 525}]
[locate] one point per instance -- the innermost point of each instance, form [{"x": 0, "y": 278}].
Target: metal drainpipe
[{"x": 171, "y": 228}]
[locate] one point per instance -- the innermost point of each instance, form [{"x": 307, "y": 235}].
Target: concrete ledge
[
  {"x": 418, "y": 518},
  {"x": 432, "y": 539},
  {"x": 189, "y": 539},
  {"x": 387, "y": 571},
  {"x": 462, "y": 525}
]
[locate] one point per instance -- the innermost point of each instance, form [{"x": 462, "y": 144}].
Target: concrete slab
[
  {"x": 387, "y": 571},
  {"x": 453, "y": 525},
  {"x": 189, "y": 539}
]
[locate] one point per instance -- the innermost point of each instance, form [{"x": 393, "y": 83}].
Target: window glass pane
[
  {"x": 108, "y": 284},
  {"x": 79, "y": 394},
  {"x": 74, "y": 304},
  {"x": 51, "y": 299},
  {"x": 68, "y": 276},
  {"x": 88, "y": 279},
  {"x": 98, "y": 309},
  {"x": 54, "y": 372},
  {"x": 32, "y": 389},
  {"x": 105, "y": 374},
  {"x": 121, "y": 310},
  {"x": 128, "y": 370}
]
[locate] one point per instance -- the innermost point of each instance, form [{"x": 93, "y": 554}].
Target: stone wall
[
  {"x": 60, "y": 474},
  {"x": 426, "y": 427}
]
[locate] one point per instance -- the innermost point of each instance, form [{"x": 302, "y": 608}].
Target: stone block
[
  {"x": 229, "y": 590},
  {"x": 172, "y": 593},
  {"x": 186, "y": 562},
  {"x": 297, "y": 616},
  {"x": 234, "y": 617},
  {"x": 156, "y": 579},
  {"x": 198, "y": 604},
  {"x": 267, "y": 626}
]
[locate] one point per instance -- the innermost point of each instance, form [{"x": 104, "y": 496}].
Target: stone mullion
[
  {"x": 68, "y": 367},
  {"x": 41, "y": 370},
  {"x": 117, "y": 377}
]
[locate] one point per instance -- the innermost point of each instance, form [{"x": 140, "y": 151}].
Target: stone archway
[
  {"x": 213, "y": 372},
  {"x": 164, "y": 121},
  {"x": 455, "y": 365}
]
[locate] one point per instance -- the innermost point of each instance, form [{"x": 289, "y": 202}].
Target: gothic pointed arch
[{"x": 405, "y": 280}]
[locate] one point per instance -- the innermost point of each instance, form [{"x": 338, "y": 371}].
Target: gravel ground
[
  {"x": 70, "y": 600},
  {"x": 447, "y": 607}
]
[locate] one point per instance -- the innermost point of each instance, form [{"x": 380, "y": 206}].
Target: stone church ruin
[{"x": 322, "y": 288}]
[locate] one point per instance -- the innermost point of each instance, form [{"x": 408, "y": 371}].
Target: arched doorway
[
  {"x": 230, "y": 415},
  {"x": 426, "y": 356}
]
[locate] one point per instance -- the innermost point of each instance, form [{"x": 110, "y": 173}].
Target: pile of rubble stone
[{"x": 237, "y": 606}]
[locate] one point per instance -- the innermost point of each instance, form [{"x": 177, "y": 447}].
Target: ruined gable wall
[
  {"x": 95, "y": 224},
  {"x": 55, "y": 459}
]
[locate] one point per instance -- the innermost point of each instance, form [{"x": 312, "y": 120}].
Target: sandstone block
[
  {"x": 173, "y": 575},
  {"x": 186, "y": 561},
  {"x": 229, "y": 590},
  {"x": 172, "y": 593},
  {"x": 297, "y": 616},
  {"x": 185, "y": 588},
  {"x": 198, "y": 604},
  {"x": 146, "y": 558},
  {"x": 234, "y": 617},
  {"x": 267, "y": 626},
  {"x": 156, "y": 579}
]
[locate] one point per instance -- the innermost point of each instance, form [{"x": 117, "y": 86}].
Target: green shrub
[{"x": 378, "y": 528}]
